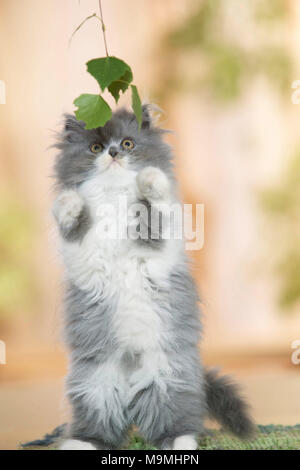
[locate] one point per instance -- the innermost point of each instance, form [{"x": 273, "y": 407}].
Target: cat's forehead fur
[
  {"x": 122, "y": 124},
  {"x": 76, "y": 163}
]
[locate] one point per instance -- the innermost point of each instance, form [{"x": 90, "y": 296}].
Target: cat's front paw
[
  {"x": 153, "y": 184},
  {"x": 67, "y": 209}
]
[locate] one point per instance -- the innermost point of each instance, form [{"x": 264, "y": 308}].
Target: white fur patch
[
  {"x": 74, "y": 444},
  {"x": 104, "y": 390},
  {"x": 120, "y": 269},
  {"x": 67, "y": 208},
  {"x": 153, "y": 184},
  {"x": 187, "y": 442}
]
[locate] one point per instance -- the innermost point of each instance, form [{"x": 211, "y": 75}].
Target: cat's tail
[
  {"x": 226, "y": 406},
  {"x": 48, "y": 439}
]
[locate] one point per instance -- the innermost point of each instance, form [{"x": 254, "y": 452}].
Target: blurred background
[{"x": 223, "y": 74}]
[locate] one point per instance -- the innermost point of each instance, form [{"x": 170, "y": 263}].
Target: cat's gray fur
[{"x": 165, "y": 400}]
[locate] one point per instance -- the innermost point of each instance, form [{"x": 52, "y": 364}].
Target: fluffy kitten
[{"x": 131, "y": 315}]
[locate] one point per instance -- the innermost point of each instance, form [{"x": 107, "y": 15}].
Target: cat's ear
[
  {"x": 151, "y": 114},
  {"x": 73, "y": 129},
  {"x": 146, "y": 116}
]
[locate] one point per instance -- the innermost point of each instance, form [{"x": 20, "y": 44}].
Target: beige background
[{"x": 245, "y": 330}]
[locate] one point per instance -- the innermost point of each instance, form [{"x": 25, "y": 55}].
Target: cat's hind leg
[
  {"x": 186, "y": 442},
  {"x": 96, "y": 393},
  {"x": 171, "y": 420},
  {"x": 76, "y": 444}
]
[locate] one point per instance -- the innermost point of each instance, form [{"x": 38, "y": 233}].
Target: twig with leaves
[
  {"x": 112, "y": 74},
  {"x": 103, "y": 29}
]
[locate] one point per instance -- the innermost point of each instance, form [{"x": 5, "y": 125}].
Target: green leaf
[
  {"x": 136, "y": 105},
  {"x": 120, "y": 85},
  {"x": 106, "y": 70},
  {"x": 93, "y": 110}
]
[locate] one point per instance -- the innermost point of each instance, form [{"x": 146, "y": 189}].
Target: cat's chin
[
  {"x": 115, "y": 168},
  {"x": 115, "y": 176}
]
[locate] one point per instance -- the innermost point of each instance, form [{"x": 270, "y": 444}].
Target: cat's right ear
[
  {"x": 73, "y": 129},
  {"x": 150, "y": 115}
]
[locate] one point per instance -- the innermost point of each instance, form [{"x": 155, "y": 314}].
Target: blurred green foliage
[
  {"x": 221, "y": 65},
  {"x": 271, "y": 10},
  {"x": 16, "y": 230},
  {"x": 282, "y": 204},
  {"x": 209, "y": 57}
]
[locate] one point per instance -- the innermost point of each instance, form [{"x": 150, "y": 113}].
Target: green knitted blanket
[{"x": 269, "y": 437}]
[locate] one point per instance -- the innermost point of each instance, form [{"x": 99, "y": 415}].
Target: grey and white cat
[{"x": 131, "y": 316}]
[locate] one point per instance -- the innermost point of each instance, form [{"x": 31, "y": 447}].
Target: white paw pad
[
  {"x": 74, "y": 444},
  {"x": 67, "y": 208},
  {"x": 153, "y": 184},
  {"x": 187, "y": 442}
]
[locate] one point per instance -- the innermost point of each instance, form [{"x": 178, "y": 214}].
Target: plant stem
[{"x": 103, "y": 29}]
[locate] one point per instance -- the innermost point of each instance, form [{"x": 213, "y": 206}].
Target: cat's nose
[{"x": 113, "y": 151}]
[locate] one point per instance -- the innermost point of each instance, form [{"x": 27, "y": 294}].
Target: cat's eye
[
  {"x": 128, "y": 144},
  {"x": 96, "y": 148}
]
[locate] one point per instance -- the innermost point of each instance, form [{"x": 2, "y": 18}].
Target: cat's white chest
[
  {"x": 93, "y": 263},
  {"x": 110, "y": 267}
]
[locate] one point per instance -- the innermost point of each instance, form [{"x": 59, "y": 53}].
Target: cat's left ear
[{"x": 146, "y": 116}]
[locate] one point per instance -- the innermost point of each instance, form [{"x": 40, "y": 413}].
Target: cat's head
[{"x": 119, "y": 146}]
